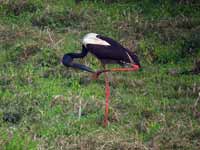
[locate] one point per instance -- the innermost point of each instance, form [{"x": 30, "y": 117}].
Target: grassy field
[{"x": 155, "y": 108}]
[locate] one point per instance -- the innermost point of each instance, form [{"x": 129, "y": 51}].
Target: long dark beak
[
  {"x": 81, "y": 67},
  {"x": 68, "y": 62}
]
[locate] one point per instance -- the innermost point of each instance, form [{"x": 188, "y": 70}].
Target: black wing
[{"x": 112, "y": 42}]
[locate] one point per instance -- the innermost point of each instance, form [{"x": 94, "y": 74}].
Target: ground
[{"x": 154, "y": 108}]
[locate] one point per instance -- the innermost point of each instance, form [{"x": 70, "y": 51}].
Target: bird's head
[{"x": 67, "y": 61}]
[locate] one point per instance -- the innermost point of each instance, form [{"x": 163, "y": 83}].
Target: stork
[{"x": 108, "y": 51}]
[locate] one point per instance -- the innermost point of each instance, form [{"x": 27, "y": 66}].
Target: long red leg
[
  {"x": 107, "y": 91},
  {"x": 98, "y": 73},
  {"x": 107, "y": 87}
]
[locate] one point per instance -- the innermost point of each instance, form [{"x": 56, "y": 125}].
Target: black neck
[
  {"x": 79, "y": 55},
  {"x": 68, "y": 60}
]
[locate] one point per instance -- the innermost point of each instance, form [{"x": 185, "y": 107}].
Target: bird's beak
[
  {"x": 82, "y": 67},
  {"x": 67, "y": 60}
]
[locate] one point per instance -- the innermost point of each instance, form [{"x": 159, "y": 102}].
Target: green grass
[{"x": 152, "y": 108}]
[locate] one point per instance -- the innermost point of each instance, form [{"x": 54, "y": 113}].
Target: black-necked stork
[{"x": 108, "y": 51}]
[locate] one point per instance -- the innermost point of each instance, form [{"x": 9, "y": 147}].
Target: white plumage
[{"x": 91, "y": 38}]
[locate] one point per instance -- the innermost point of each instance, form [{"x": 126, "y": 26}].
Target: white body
[{"x": 91, "y": 38}]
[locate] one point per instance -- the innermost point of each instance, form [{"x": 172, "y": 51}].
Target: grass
[{"x": 150, "y": 109}]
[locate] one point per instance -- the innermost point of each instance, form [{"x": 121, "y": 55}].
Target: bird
[{"x": 105, "y": 49}]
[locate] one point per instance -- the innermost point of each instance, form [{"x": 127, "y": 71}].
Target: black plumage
[{"x": 105, "y": 49}]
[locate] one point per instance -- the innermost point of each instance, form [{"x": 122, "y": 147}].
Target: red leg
[
  {"x": 107, "y": 87},
  {"x": 134, "y": 68},
  {"x": 107, "y": 91},
  {"x": 98, "y": 73}
]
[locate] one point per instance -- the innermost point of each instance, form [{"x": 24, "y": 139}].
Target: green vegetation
[{"x": 155, "y": 108}]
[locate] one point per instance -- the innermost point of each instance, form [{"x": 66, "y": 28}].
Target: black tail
[{"x": 135, "y": 58}]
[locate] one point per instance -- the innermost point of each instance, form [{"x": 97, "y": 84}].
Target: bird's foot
[
  {"x": 95, "y": 75},
  {"x": 135, "y": 67}
]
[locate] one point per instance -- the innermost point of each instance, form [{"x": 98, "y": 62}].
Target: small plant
[
  {"x": 18, "y": 141},
  {"x": 20, "y": 6}
]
